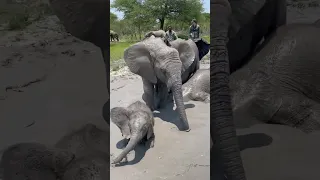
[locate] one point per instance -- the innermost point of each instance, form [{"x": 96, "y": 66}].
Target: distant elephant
[
  {"x": 165, "y": 67},
  {"x": 86, "y": 20},
  {"x": 114, "y": 36},
  {"x": 136, "y": 123},
  {"x": 236, "y": 29},
  {"x": 197, "y": 88},
  {"x": 91, "y": 147},
  {"x": 34, "y": 161}
]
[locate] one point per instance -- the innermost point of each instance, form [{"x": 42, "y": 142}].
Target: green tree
[
  {"x": 113, "y": 17},
  {"x": 181, "y": 10},
  {"x": 134, "y": 11}
]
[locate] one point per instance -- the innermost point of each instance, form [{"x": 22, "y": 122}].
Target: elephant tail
[{"x": 134, "y": 140}]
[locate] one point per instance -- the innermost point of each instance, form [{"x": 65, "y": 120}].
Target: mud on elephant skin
[
  {"x": 163, "y": 68},
  {"x": 280, "y": 85},
  {"x": 34, "y": 161},
  {"x": 197, "y": 88},
  {"x": 136, "y": 123}
]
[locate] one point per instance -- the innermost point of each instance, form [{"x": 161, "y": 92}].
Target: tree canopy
[{"x": 146, "y": 15}]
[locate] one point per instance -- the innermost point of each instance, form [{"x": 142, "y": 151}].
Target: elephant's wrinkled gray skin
[
  {"x": 34, "y": 161},
  {"x": 249, "y": 22},
  {"x": 137, "y": 122},
  {"x": 164, "y": 67},
  {"x": 91, "y": 147},
  {"x": 197, "y": 88},
  {"x": 281, "y": 83},
  {"x": 237, "y": 28},
  {"x": 86, "y": 20}
]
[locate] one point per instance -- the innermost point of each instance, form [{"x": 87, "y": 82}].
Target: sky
[{"x": 206, "y": 6}]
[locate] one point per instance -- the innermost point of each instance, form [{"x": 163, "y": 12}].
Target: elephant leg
[
  {"x": 106, "y": 107},
  {"x": 151, "y": 137},
  {"x": 148, "y": 95},
  {"x": 162, "y": 95}
]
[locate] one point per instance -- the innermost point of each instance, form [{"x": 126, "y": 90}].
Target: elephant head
[
  {"x": 34, "y": 160},
  {"x": 87, "y": 20},
  {"x": 156, "y": 63},
  {"x": 120, "y": 117}
]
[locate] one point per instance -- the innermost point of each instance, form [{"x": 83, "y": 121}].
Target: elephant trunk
[
  {"x": 223, "y": 130},
  {"x": 134, "y": 140},
  {"x": 178, "y": 98}
]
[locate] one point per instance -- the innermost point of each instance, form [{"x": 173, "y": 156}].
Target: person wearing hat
[
  {"x": 194, "y": 33},
  {"x": 170, "y": 34}
]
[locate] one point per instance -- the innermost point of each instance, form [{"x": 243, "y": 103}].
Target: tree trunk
[
  {"x": 139, "y": 29},
  {"x": 223, "y": 130},
  {"x": 161, "y": 23}
]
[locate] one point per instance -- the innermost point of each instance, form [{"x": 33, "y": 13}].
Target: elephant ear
[
  {"x": 186, "y": 52},
  {"x": 120, "y": 117},
  {"x": 138, "y": 59}
]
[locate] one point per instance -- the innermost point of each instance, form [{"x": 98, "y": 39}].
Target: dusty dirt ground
[{"x": 52, "y": 83}]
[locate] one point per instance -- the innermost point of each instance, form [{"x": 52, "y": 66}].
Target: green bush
[{"x": 183, "y": 36}]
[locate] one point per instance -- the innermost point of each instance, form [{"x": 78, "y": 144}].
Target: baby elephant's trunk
[{"x": 134, "y": 140}]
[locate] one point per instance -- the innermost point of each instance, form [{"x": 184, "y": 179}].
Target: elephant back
[{"x": 86, "y": 19}]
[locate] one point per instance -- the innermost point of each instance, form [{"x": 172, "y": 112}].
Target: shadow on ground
[
  {"x": 140, "y": 151},
  {"x": 167, "y": 114}
]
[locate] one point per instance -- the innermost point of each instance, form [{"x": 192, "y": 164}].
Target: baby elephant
[
  {"x": 136, "y": 123},
  {"x": 197, "y": 88}
]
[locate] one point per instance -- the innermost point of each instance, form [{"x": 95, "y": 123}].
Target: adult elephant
[
  {"x": 164, "y": 67},
  {"x": 280, "y": 85},
  {"x": 239, "y": 21},
  {"x": 114, "y": 36},
  {"x": 86, "y": 20}
]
